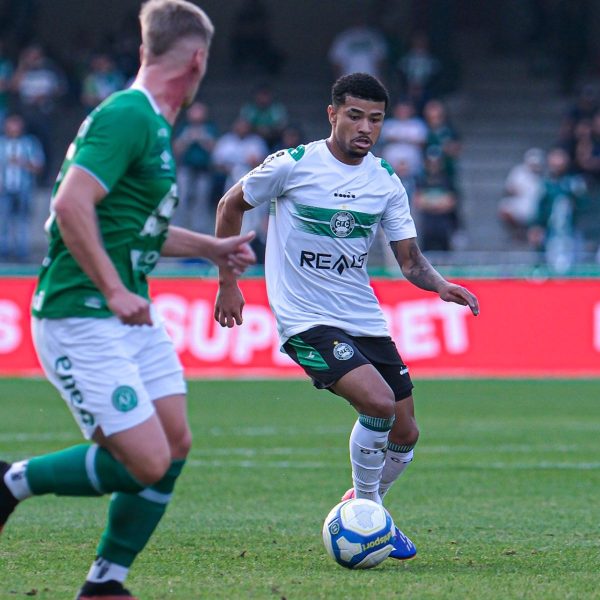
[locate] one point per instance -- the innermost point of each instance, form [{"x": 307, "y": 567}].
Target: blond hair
[{"x": 165, "y": 22}]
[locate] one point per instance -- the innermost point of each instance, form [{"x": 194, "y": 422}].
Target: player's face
[{"x": 355, "y": 128}]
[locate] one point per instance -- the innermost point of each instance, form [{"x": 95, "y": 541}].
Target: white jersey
[{"x": 323, "y": 220}]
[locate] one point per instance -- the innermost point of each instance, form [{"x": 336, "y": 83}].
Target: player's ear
[{"x": 331, "y": 114}]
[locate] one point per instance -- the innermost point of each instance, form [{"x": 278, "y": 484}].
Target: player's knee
[
  {"x": 406, "y": 435},
  {"x": 152, "y": 468},
  {"x": 381, "y": 403}
]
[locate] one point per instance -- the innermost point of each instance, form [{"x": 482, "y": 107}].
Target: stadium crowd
[
  {"x": 552, "y": 198},
  {"x": 419, "y": 140}
]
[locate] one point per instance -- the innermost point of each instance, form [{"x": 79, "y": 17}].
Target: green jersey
[{"x": 125, "y": 143}]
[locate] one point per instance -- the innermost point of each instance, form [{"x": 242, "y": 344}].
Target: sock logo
[{"x": 124, "y": 398}]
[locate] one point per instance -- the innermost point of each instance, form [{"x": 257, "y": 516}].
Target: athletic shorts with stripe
[{"x": 327, "y": 354}]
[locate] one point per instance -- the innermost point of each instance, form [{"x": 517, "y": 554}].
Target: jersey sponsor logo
[
  {"x": 342, "y": 224},
  {"x": 403, "y": 370},
  {"x": 343, "y": 351},
  {"x": 324, "y": 261},
  {"x": 63, "y": 370},
  {"x": 124, "y": 398}
]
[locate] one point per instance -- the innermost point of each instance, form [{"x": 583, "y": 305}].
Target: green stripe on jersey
[{"x": 307, "y": 355}]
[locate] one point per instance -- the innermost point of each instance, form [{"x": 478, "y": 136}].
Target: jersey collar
[{"x": 141, "y": 88}]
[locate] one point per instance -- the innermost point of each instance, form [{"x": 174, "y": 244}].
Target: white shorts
[{"x": 108, "y": 373}]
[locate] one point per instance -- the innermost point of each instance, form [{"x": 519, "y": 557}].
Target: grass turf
[{"x": 502, "y": 500}]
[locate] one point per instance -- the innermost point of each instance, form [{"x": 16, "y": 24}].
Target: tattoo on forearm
[{"x": 415, "y": 267}]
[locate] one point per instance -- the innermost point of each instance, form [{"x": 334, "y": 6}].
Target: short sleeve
[
  {"x": 112, "y": 140},
  {"x": 269, "y": 179},
  {"x": 396, "y": 221}
]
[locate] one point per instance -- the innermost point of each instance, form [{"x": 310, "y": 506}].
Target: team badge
[
  {"x": 342, "y": 223},
  {"x": 343, "y": 351},
  {"x": 124, "y": 398}
]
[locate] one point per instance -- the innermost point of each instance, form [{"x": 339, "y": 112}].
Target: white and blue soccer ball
[{"x": 358, "y": 533}]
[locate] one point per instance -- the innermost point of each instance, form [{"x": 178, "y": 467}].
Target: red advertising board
[{"x": 526, "y": 328}]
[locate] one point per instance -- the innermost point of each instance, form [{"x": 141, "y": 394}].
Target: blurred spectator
[
  {"x": 522, "y": 189},
  {"x": 403, "y": 137},
  {"x": 21, "y": 159},
  {"x": 237, "y": 152},
  {"x": 360, "y": 49},
  {"x": 251, "y": 42},
  {"x": 266, "y": 116},
  {"x": 193, "y": 147},
  {"x": 583, "y": 109},
  {"x": 39, "y": 85},
  {"x": 436, "y": 202},
  {"x": 403, "y": 169},
  {"x": 586, "y": 149},
  {"x": 291, "y": 137},
  {"x": 6, "y": 73},
  {"x": 555, "y": 230},
  {"x": 103, "y": 79},
  {"x": 418, "y": 69},
  {"x": 442, "y": 135}
]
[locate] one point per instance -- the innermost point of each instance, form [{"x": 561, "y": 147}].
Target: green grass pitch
[{"x": 502, "y": 500}]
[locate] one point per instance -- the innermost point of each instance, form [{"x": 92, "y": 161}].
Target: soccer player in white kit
[{"x": 327, "y": 200}]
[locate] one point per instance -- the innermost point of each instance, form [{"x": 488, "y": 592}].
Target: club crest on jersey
[
  {"x": 342, "y": 223},
  {"x": 343, "y": 351}
]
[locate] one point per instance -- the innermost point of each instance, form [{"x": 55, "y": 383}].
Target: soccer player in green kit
[{"x": 95, "y": 331}]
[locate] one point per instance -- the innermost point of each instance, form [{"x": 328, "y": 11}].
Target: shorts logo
[
  {"x": 124, "y": 398},
  {"x": 343, "y": 351},
  {"x": 342, "y": 224}
]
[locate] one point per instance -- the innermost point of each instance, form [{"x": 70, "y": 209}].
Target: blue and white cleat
[{"x": 404, "y": 549}]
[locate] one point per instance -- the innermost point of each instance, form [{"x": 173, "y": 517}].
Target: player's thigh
[
  {"x": 367, "y": 391},
  {"x": 89, "y": 363},
  {"x": 334, "y": 361}
]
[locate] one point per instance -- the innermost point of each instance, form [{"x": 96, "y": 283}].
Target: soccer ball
[{"x": 358, "y": 533}]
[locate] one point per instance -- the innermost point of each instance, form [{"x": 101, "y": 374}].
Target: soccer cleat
[
  {"x": 7, "y": 500},
  {"x": 107, "y": 590},
  {"x": 404, "y": 549},
  {"x": 348, "y": 495}
]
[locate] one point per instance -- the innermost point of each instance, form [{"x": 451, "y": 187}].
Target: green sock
[
  {"x": 132, "y": 518},
  {"x": 83, "y": 470}
]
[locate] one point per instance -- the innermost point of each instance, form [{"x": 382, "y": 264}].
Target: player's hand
[
  {"x": 129, "y": 308},
  {"x": 229, "y": 305},
  {"x": 460, "y": 295},
  {"x": 234, "y": 253}
]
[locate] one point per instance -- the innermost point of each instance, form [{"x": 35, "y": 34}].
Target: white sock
[
  {"x": 16, "y": 481},
  {"x": 367, "y": 454},
  {"x": 395, "y": 464},
  {"x": 103, "y": 570}
]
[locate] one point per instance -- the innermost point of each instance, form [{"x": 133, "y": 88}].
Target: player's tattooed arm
[{"x": 419, "y": 271}]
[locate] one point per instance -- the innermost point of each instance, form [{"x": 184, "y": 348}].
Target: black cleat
[
  {"x": 7, "y": 500},
  {"x": 107, "y": 590}
]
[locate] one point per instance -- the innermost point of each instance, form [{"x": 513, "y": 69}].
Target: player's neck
[{"x": 167, "y": 90}]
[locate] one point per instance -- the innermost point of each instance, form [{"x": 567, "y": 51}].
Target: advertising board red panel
[{"x": 526, "y": 328}]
